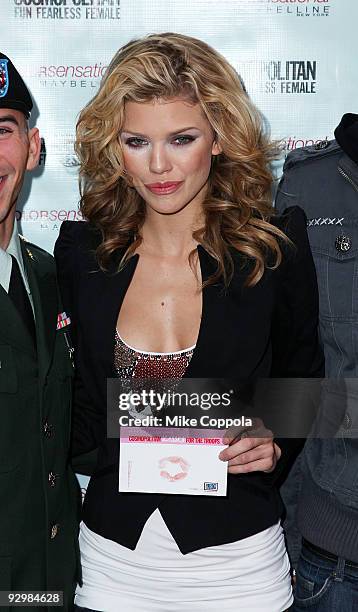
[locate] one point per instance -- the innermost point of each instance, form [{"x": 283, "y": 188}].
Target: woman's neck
[
  {"x": 170, "y": 234},
  {"x": 175, "y": 242}
]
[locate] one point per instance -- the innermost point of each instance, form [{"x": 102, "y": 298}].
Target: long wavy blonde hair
[{"x": 237, "y": 206}]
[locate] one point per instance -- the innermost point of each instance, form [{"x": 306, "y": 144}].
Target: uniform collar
[{"x": 14, "y": 249}]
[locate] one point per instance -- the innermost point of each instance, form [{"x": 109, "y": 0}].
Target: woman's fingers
[
  {"x": 263, "y": 451},
  {"x": 257, "y": 430},
  {"x": 242, "y": 446},
  {"x": 250, "y": 450},
  {"x": 262, "y": 465}
]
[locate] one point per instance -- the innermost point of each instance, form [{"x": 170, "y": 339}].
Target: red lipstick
[{"x": 164, "y": 188}]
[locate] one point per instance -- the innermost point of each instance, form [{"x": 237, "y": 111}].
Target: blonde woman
[{"x": 182, "y": 258}]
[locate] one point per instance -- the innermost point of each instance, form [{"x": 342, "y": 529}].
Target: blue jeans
[{"x": 325, "y": 585}]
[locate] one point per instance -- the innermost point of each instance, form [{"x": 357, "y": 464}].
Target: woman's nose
[{"x": 159, "y": 159}]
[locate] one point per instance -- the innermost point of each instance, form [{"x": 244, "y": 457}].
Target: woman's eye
[
  {"x": 135, "y": 142},
  {"x": 183, "y": 140}
]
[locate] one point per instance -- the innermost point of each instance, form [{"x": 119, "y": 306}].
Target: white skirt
[{"x": 248, "y": 575}]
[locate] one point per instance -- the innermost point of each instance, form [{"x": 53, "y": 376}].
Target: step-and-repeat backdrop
[{"x": 298, "y": 59}]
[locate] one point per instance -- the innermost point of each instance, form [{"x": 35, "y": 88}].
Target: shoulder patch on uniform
[
  {"x": 312, "y": 152},
  {"x": 33, "y": 249}
]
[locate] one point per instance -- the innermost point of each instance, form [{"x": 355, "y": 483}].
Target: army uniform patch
[
  {"x": 63, "y": 320},
  {"x": 4, "y": 77}
]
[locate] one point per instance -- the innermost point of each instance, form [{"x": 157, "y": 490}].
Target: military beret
[{"x": 13, "y": 91}]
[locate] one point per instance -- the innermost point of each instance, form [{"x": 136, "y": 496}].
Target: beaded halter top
[
  {"x": 134, "y": 363},
  {"x": 137, "y": 368}
]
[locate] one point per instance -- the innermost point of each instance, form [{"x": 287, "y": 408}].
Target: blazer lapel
[
  {"x": 101, "y": 296},
  {"x": 44, "y": 294},
  {"x": 226, "y": 313},
  {"x": 203, "y": 362}
]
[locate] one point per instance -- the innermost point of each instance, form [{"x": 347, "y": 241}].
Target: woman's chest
[
  {"x": 231, "y": 328},
  {"x": 161, "y": 309}
]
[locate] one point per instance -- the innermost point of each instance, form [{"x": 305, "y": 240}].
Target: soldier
[
  {"x": 38, "y": 490},
  {"x": 323, "y": 180}
]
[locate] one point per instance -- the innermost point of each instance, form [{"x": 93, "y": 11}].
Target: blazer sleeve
[
  {"x": 296, "y": 348},
  {"x": 297, "y": 356},
  {"x": 86, "y": 421}
]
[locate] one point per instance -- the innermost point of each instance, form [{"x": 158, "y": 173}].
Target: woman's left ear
[{"x": 216, "y": 149}]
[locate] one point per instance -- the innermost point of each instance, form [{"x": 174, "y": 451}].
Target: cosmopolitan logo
[
  {"x": 67, "y": 9},
  {"x": 290, "y": 77},
  {"x": 300, "y": 8},
  {"x": 61, "y": 76}
]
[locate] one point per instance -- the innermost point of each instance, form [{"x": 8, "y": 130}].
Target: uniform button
[
  {"x": 343, "y": 243},
  {"x": 54, "y": 530},
  {"x": 321, "y": 145},
  {"x": 52, "y": 479},
  {"x": 48, "y": 429}
]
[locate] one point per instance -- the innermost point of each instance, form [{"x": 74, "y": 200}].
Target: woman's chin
[{"x": 166, "y": 208}]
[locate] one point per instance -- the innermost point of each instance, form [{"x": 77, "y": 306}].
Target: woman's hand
[{"x": 252, "y": 450}]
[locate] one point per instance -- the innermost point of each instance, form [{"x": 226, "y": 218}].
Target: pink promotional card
[{"x": 186, "y": 462}]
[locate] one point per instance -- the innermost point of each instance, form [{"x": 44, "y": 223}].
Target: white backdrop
[{"x": 297, "y": 58}]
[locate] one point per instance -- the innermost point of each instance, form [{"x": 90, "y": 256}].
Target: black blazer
[{"x": 245, "y": 333}]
